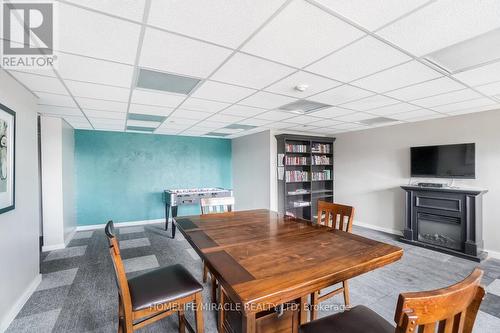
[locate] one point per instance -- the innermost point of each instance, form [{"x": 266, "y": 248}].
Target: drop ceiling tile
[
  {"x": 78, "y": 68},
  {"x": 490, "y": 89},
  {"x": 267, "y": 100},
  {"x": 222, "y": 92},
  {"x": 275, "y": 115},
  {"x": 287, "y": 38},
  {"x": 355, "y": 117},
  {"x": 55, "y": 99},
  {"x": 350, "y": 126},
  {"x": 425, "y": 89},
  {"x": 475, "y": 109},
  {"x": 203, "y": 105},
  {"x": 143, "y": 123},
  {"x": 105, "y": 114},
  {"x": 413, "y": 114},
  {"x": 40, "y": 83},
  {"x": 249, "y": 71},
  {"x": 464, "y": 105},
  {"x": 397, "y": 77},
  {"x": 359, "y": 59},
  {"x": 225, "y": 22},
  {"x": 332, "y": 112},
  {"x": 280, "y": 125},
  {"x": 326, "y": 123},
  {"x": 304, "y": 128},
  {"x": 254, "y": 122},
  {"x": 166, "y": 131},
  {"x": 481, "y": 75},
  {"x": 174, "y": 125},
  {"x": 303, "y": 120},
  {"x": 180, "y": 121},
  {"x": 393, "y": 109},
  {"x": 375, "y": 15},
  {"x": 315, "y": 85},
  {"x": 451, "y": 97},
  {"x": 98, "y": 104},
  {"x": 81, "y": 32},
  {"x": 191, "y": 132},
  {"x": 340, "y": 95},
  {"x": 242, "y": 110},
  {"x": 368, "y": 103},
  {"x": 100, "y": 122},
  {"x": 427, "y": 117},
  {"x": 188, "y": 114},
  {"x": 132, "y": 10},
  {"x": 172, "y": 53},
  {"x": 224, "y": 118},
  {"x": 98, "y": 91},
  {"x": 35, "y": 71},
  {"x": 155, "y": 98},
  {"x": 442, "y": 24},
  {"x": 59, "y": 110},
  {"x": 210, "y": 124},
  {"x": 229, "y": 130},
  {"x": 149, "y": 109}
]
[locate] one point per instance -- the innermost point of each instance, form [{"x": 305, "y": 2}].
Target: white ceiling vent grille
[
  {"x": 177, "y": 84},
  {"x": 377, "y": 121},
  {"x": 303, "y": 106}
]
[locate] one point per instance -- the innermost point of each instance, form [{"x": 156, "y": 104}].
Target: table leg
[
  {"x": 303, "y": 310},
  {"x": 174, "y": 215},
  {"x": 248, "y": 323},
  {"x": 167, "y": 214}
]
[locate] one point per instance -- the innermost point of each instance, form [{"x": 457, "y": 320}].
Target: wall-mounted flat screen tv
[{"x": 446, "y": 161}]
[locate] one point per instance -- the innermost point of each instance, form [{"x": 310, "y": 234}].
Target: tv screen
[{"x": 446, "y": 161}]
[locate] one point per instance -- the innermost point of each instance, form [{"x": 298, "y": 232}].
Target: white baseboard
[
  {"x": 375, "y": 227},
  {"x": 11, "y": 315},
  {"x": 493, "y": 254},
  {"x": 47, "y": 248},
  {"x": 120, "y": 224}
]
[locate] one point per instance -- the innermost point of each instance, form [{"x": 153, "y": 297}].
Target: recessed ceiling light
[
  {"x": 145, "y": 117},
  {"x": 377, "y": 121},
  {"x": 140, "y": 129},
  {"x": 172, "y": 83},
  {"x": 303, "y": 106},
  {"x": 240, "y": 126}
]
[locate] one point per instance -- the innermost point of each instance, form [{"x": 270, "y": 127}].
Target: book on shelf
[
  {"x": 321, "y": 160},
  {"x": 300, "y": 203},
  {"x": 320, "y": 148},
  {"x": 296, "y": 176},
  {"x": 299, "y": 191},
  {"x": 321, "y": 175},
  {"x": 296, "y": 160},
  {"x": 294, "y": 148}
]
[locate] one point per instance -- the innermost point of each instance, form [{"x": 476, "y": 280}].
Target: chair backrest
[
  {"x": 335, "y": 215},
  {"x": 120, "y": 276},
  {"x": 451, "y": 310},
  {"x": 216, "y": 205}
]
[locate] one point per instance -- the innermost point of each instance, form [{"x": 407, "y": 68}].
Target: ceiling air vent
[
  {"x": 377, "y": 121},
  {"x": 140, "y": 129},
  {"x": 240, "y": 127},
  {"x": 303, "y": 106},
  {"x": 145, "y": 117},
  {"x": 177, "y": 84},
  {"x": 217, "y": 134}
]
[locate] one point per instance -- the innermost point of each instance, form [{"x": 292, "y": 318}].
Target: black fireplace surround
[{"x": 445, "y": 219}]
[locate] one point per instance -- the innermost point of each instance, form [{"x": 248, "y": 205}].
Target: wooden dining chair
[
  {"x": 149, "y": 297},
  {"x": 448, "y": 310},
  {"x": 338, "y": 217},
  {"x": 214, "y": 206}
]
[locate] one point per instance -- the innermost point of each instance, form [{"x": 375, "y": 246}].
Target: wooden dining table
[{"x": 262, "y": 260}]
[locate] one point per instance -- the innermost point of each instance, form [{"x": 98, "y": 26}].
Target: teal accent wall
[{"x": 121, "y": 176}]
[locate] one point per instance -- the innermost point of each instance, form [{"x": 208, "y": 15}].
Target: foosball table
[{"x": 174, "y": 198}]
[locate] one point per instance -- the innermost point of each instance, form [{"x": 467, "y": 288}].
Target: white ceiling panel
[
  {"x": 442, "y": 24},
  {"x": 350, "y": 126},
  {"x": 315, "y": 84},
  {"x": 105, "y": 114},
  {"x": 249, "y": 71},
  {"x": 99, "y": 104},
  {"x": 143, "y": 123},
  {"x": 371, "y": 102},
  {"x": 476, "y": 109},
  {"x": 326, "y": 123},
  {"x": 38, "y": 71},
  {"x": 254, "y": 122},
  {"x": 81, "y": 32},
  {"x": 280, "y": 125},
  {"x": 172, "y": 53},
  {"x": 397, "y": 77},
  {"x": 222, "y": 92},
  {"x": 155, "y": 98},
  {"x": 374, "y": 15},
  {"x": 427, "y": 117},
  {"x": 54, "y": 99},
  {"x": 149, "y": 109},
  {"x": 288, "y": 37},
  {"x": 332, "y": 112},
  {"x": 225, "y": 118},
  {"x": 101, "y": 122},
  {"x": 275, "y": 115},
  {"x": 59, "y": 110},
  {"x": 481, "y": 75},
  {"x": 267, "y": 100},
  {"x": 98, "y": 91},
  {"x": 91, "y": 70},
  {"x": 451, "y": 97},
  {"x": 167, "y": 131},
  {"x": 393, "y": 109},
  {"x": 364, "y": 57},
  {"x": 209, "y": 125},
  {"x": 429, "y": 88},
  {"x": 224, "y": 22},
  {"x": 242, "y": 111},
  {"x": 203, "y": 105},
  {"x": 303, "y": 120},
  {"x": 358, "y": 116},
  {"x": 174, "y": 125},
  {"x": 188, "y": 114},
  {"x": 40, "y": 83},
  {"x": 180, "y": 121},
  {"x": 132, "y": 10},
  {"x": 413, "y": 114},
  {"x": 303, "y": 128},
  {"x": 490, "y": 89},
  {"x": 192, "y": 132},
  {"x": 340, "y": 95},
  {"x": 483, "y": 101}
]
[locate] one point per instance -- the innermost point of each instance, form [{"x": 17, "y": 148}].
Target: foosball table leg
[
  {"x": 167, "y": 215},
  {"x": 174, "y": 215}
]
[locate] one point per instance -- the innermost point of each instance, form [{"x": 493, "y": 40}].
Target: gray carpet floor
[{"x": 78, "y": 291}]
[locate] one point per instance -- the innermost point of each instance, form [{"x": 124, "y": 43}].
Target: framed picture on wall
[{"x": 7, "y": 158}]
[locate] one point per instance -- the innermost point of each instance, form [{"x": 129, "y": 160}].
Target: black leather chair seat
[
  {"x": 162, "y": 285},
  {"x": 359, "y": 319}
]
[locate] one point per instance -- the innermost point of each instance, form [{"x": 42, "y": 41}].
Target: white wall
[
  {"x": 57, "y": 144},
  {"x": 19, "y": 228},
  {"x": 371, "y": 165}
]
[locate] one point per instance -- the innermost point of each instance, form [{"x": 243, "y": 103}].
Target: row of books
[
  {"x": 297, "y": 176},
  {"x": 320, "y": 148},
  {"x": 322, "y": 175},
  {"x": 300, "y": 203},
  {"x": 321, "y": 160},
  {"x": 292, "y": 148},
  {"x": 296, "y": 160}
]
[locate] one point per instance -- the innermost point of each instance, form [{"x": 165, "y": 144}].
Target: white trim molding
[
  {"x": 120, "y": 224},
  {"x": 47, "y": 248},
  {"x": 16, "y": 308}
]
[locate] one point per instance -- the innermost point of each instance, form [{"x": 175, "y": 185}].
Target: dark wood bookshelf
[{"x": 313, "y": 190}]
